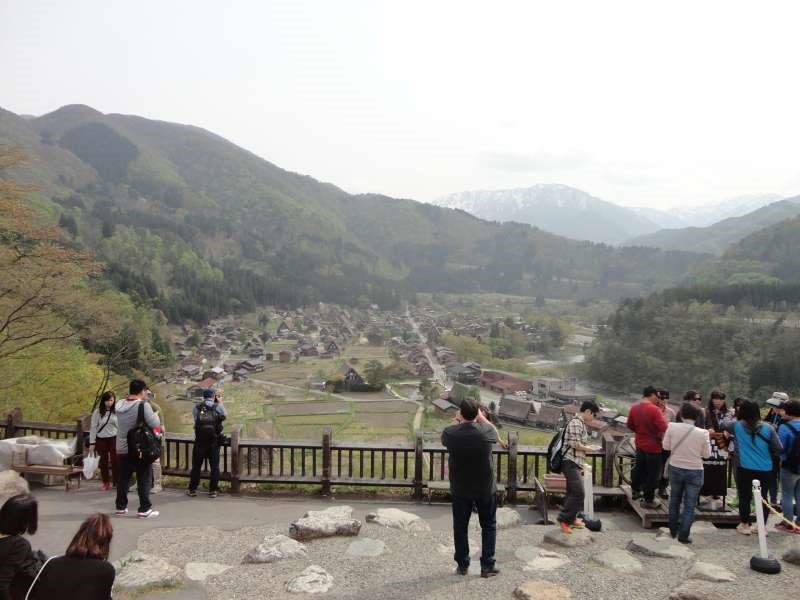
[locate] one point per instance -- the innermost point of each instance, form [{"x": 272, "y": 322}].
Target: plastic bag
[{"x": 90, "y": 464}]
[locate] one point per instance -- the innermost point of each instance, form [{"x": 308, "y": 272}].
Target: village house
[
  {"x": 196, "y": 390},
  {"x": 285, "y": 356},
  {"x": 545, "y": 386},
  {"x": 190, "y": 370},
  {"x": 331, "y": 347},
  {"x": 502, "y": 383},
  {"x": 350, "y": 376},
  {"x": 216, "y": 373},
  {"x": 548, "y": 416},
  {"x": 424, "y": 369},
  {"x": 444, "y": 408},
  {"x": 517, "y": 409},
  {"x": 251, "y": 365}
]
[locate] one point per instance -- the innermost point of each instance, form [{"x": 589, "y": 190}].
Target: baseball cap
[{"x": 208, "y": 393}]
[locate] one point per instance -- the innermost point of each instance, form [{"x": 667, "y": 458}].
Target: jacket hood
[{"x": 123, "y": 406}]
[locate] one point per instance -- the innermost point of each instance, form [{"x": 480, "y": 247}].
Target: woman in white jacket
[{"x": 103, "y": 437}]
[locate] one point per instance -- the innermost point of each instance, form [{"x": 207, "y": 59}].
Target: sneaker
[
  {"x": 103, "y": 487},
  {"x": 685, "y": 540},
  {"x": 157, "y": 489},
  {"x": 565, "y": 527},
  {"x": 578, "y": 523},
  {"x": 636, "y": 495},
  {"x": 652, "y": 505},
  {"x": 486, "y": 573},
  {"x": 191, "y": 493},
  {"x": 784, "y": 528},
  {"x": 462, "y": 570},
  {"x": 148, "y": 514},
  {"x": 744, "y": 529},
  {"x": 212, "y": 494},
  {"x": 121, "y": 512}
]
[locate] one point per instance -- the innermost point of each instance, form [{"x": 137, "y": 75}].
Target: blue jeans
[
  {"x": 685, "y": 485},
  {"x": 462, "y": 510},
  {"x": 790, "y": 493}
]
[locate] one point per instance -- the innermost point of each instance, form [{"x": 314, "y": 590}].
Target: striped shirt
[{"x": 575, "y": 434}]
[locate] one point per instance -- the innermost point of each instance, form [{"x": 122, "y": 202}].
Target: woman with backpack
[
  {"x": 83, "y": 573},
  {"x": 789, "y": 434},
  {"x": 103, "y": 438},
  {"x": 756, "y": 444}
]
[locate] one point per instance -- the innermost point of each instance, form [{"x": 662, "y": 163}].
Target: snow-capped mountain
[
  {"x": 703, "y": 216},
  {"x": 559, "y": 209}
]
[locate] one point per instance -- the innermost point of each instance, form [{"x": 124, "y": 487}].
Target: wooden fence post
[
  {"x": 418, "y": 465},
  {"x": 80, "y": 442},
  {"x": 14, "y": 417},
  {"x": 609, "y": 448},
  {"x": 236, "y": 463},
  {"x": 511, "y": 484},
  {"x": 326, "y": 461}
]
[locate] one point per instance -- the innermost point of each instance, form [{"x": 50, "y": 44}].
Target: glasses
[{"x": 698, "y": 398}]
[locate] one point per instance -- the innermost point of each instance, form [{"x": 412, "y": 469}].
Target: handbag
[{"x": 35, "y": 579}]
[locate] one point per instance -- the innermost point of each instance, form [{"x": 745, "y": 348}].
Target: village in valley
[{"x": 370, "y": 374}]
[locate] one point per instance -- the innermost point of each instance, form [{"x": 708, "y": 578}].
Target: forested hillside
[{"x": 189, "y": 223}]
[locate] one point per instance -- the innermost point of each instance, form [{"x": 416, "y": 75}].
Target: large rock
[
  {"x": 578, "y": 537},
  {"x": 337, "y": 520},
  {"x": 11, "y": 484},
  {"x": 792, "y": 555},
  {"x": 507, "y": 517},
  {"x": 313, "y": 580},
  {"x": 365, "y": 548},
  {"x": 661, "y": 547},
  {"x": 537, "y": 559},
  {"x": 196, "y": 571},
  {"x": 138, "y": 570},
  {"x": 275, "y": 548},
  {"x": 619, "y": 560},
  {"x": 698, "y": 528},
  {"x": 398, "y": 519},
  {"x": 696, "y": 590},
  {"x": 541, "y": 590},
  {"x": 710, "y": 572}
]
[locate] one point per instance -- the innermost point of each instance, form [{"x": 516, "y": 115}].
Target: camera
[{"x": 663, "y": 394}]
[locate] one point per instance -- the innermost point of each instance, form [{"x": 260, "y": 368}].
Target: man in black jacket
[{"x": 469, "y": 443}]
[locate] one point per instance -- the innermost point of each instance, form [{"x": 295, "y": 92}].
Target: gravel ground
[{"x": 417, "y": 566}]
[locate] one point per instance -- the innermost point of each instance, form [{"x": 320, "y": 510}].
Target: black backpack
[
  {"x": 792, "y": 462},
  {"x": 556, "y": 450},
  {"x": 144, "y": 446},
  {"x": 206, "y": 425}
]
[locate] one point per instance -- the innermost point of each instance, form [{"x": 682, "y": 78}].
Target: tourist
[
  {"x": 574, "y": 457},
  {"x": 18, "y": 563},
  {"x": 208, "y": 417},
  {"x": 84, "y": 572},
  {"x": 648, "y": 423},
  {"x": 696, "y": 398},
  {"x": 789, "y": 434},
  {"x": 669, "y": 415},
  {"x": 155, "y": 468},
  {"x": 775, "y": 417},
  {"x": 756, "y": 443},
  {"x": 688, "y": 446},
  {"x": 718, "y": 415},
  {"x": 103, "y": 438},
  {"x": 469, "y": 443},
  {"x": 127, "y": 417}
]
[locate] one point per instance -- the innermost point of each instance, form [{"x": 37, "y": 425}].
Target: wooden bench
[
  {"x": 444, "y": 486},
  {"x": 68, "y": 470},
  {"x": 553, "y": 486}
]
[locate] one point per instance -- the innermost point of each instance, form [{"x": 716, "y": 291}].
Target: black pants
[
  {"x": 462, "y": 511},
  {"x": 199, "y": 454},
  {"x": 744, "y": 483},
  {"x": 126, "y": 469},
  {"x": 646, "y": 473},
  {"x": 573, "y": 502}
]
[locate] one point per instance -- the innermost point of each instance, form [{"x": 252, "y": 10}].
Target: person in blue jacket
[{"x": 789, "y": 433}]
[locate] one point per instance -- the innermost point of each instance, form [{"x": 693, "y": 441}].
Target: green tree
[{"x": 375, "y": 372}]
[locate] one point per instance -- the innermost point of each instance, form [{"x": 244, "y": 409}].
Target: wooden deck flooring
[{"x": 658, "y": 516}]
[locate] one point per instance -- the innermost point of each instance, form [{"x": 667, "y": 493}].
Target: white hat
[{"x": 778, "y": 398}]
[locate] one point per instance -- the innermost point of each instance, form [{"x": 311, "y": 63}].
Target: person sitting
[
  {"x": 208, "y": 418},
  {"x": 84, "y": 572},
  {"x": 18, "y": 563}
]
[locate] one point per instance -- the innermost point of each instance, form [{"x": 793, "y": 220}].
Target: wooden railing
[{"x": 328, "y": 463}]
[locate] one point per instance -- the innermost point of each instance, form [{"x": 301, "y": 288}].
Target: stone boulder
[
  {"x": 507, "y": 517},
  {"x": 337, "y": 520},
  {"x": 710, "y": 572},
  {"x": 578, "y": 537},
  {"x": 365, "y": 548},
  {"x": 619, "y": 560},
  {"x": 661, "y": 547},
  {"x": 196, "y": 571},
  {"x": 139, "y": 571},
  {"x": 313, "y": 580},
  {"x": 537, "y": 559},
  {"x": 792, "y": 555},
  {"x": 398, "y": 519},
  {"x": 696, "y": 590},
  {"x": 11, "y": 484},
  {"x": 275, "y": 548},
  {"x": 541, "y": 590}
]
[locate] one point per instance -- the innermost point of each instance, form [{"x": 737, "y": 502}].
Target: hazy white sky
[{"x": 640, "y": 103}]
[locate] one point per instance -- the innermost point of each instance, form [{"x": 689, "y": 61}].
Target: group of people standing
[{"x": 760, "y": 449}]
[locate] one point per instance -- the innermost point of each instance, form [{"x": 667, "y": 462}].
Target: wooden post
[
  {"x": 327, "y": 434},
  {"x": 511, "y": 484},
  {"x": 236, "y": 463},
  {"x": 418, "y": 465},
  {"x": 80, "y": 442},
  {"x": 14, "y": 417},
  {"x": 609, "y": 448}
]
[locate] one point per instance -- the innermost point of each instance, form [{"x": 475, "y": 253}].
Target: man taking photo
[
  {"x": 469, "y": 443},
  {"x": 208, "y": 417}
]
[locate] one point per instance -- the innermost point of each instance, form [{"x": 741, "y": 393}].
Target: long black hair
[
  {"x": 712, "y": 412},
  {"x": 107, "y": 395},
  {"x": 750, "y": 414},
  {"x": 20, "y": 514}
]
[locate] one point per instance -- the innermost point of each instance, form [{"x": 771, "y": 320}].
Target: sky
[{"x": 654, "y": 104}]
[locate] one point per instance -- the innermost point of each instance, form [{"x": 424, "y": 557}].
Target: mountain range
[{"x": 195, "y": 226}]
